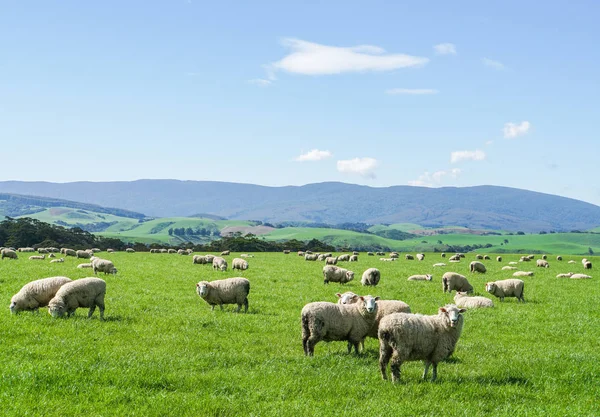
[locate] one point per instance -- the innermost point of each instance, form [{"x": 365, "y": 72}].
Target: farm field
[{"x": 162, "y": 351}]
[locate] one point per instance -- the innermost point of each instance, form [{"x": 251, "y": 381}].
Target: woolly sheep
[
  {"x": 69, "y": 252},
  {"x": 337, "y": 322},
  {"x": 343, "y": 258},
  {"x": 209, "y": 258},
  {"x": 239, "y": 264},
  {"x": 286, "y": 251},
  {"x": 331, "y": 260},
  {"x": 347, "y": 298},
  {"x": 462, "y": 300},
  {"x": 225, "y": 291},
  {"x": 506, "y": 288},
  {"x": 580, "y": 276},
  {"x": 26, "y": 249},
  {"x": 499, "y": 258},
  {"x": 82, "y": 266},
  {"x": 370, "y": 254},
  {"x": 559, "y": 258},
  {"x": 426, "y": 277},
  {"x": 420, "y": 256},
  {"x": 439, "y": 264},
  {"x": 587, "y": 265},
  {"x": 394, "y": 255},
  {"x": 321, "y": 258},
  {"x": 583, "y": 261},
  {"x": 130, "y": 250},
  {"x": 479, "y": 257},
  {"x": 541, "y": 263},
  {"x": 300, "y": 253},
  {"x": 199, "y": 260},
  {"x": 42, "y": 250},
  {"x": 245, "y": 255},
  {"x": 387, "y": 259},
  {"x": 333, "y": 273},
  {"x": 380, "y": 253},
  {"x": 355, "y": 253},
  {"x": 453, "y": 281},
  {"x": 531, "y": 257},
  {"x": 311, "y": 257},
  {"x": 181, "y": 252},
  {"x": 409, "y": 337},
  {"x": 109, "y": 250},
  {"x": 103, "y": 265},
  {"x": 96, "y": 250},
  {"x": 219, "y": 264},
  {"x": 59, "y": 260},
  {"x": 572, "y": 262},
  {"x": 82, "y": 254},
  {"x": 409, "y": 257},
  {"x": 567, "y": 275},
  {"x": 486, "y": 257},
  {"x": 477, "y": 267},
  {"x": 354, "y": 258},
  {"x": 36, "y": 294},
  {"x": 52, "y": 255},
  {"x": 443, "y": 255},
  {"x": 454, "y": 261},
  {"x": 225, "y": 253},
  {"x": 513, "y": 263},
  {"x": 544, "y": 257},
  {"x": 171, "y": 251},
  {"x": 37, "y": 257},
  {"x": 84, "y": 292},
  {"x": 523, "y": 274},
  {"x": 454, "y": 258},
  {"x": 509, "y": 268},
  {"x": 371, "y": 277},
  {"x": 524, "y": 259}
]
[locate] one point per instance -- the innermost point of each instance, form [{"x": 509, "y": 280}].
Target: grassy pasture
[{"x": 162, "y": 352}]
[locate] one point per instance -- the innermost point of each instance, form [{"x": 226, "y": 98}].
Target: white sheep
[
  {"x": 486, "y": 257},
  {"x": 523, "y": 274},
  {"x": 420, "y": 256},
  {"x": 454, "y": 258},
  {"x": 477, "y": 267},
  {"x": 479, "y": 257},
  {"x": 84, "y": 292},
  {"x": 343, "y": 258},
  {"x": 426, "y": 277},
  {"x": 337, "y": 322},
  {"x": 331, "y": 260},
  {"x": 411, "y": 337},
  {"x": 354, "y": 258},
  {"x": 506, "y": 288},
  {"x": 542, "y": 263},
  {"x": 333, "y": 273},
  {"x": 567, "y": 275},
  {"x": 587, "y": 265},
  {"x": 37, "y": 257},
  {"x": 199, "y": 260},
  {"x": 580, "y": 276},
  {"x": 462, "y": 300},
  {"x": 83, "y": 266},
  {"x": 59, "y": 260},
  {"x": 453, "y": 281},
  {"x": 130, "y": 250},
  {"x": 370, "y": 254},
  {"x": 219, "y": 263},
  {"x": 439, "y": 264},
  {"x": 36, "y": 294},
  {"x": 499, "y": 258},
  {"x": 239, "y": 264},
  {"x": 559, "y": 258},
  {"x": 311, "y": 257},
  {"x": 371, "y": 277},
  {"x": 225, "y": 253},
  {"x": 572, "y": 262},
  {"x": 68, "y": 252},
  {"x": 409, "y": 257},
  {"x": 225, "y": 291},
  {"x": 103, "y": 265},
  {"x": 513, "y": 263},
  {"x": 509, "y": 268}
]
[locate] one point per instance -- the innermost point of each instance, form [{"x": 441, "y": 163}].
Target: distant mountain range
[{"x": 481, "y": 207}]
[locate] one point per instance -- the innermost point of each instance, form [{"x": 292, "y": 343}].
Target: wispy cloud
[
  {"x": 458, "y": 156},
  {"x": 513, "y": 130},
  {"x": 362, "y": 166},
  {"x": 261, "y": 82},
  {"x": 493, "y": 64},
  {"x": 413, "y": 91},
  {"x": 445, "y": 49},
  {"x": 311, "y": 58},
  {"x": 428, "y": 179},
  {"x": 489, "y": 142},
  {"x": 314, "y": 155}
]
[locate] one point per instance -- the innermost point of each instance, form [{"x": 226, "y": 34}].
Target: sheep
[
  {"x": 343, "y": 258},
  {"x": 439, "y": 264},
  {"x": 96, "y": 250},
  {"x": 541, "y": 263},
  {"x": 42, "y": 250},
  {"x": 109, "y": 250},
  {"x": 69, "y": 252},
  {"x": 486, "y": 257},
  {"x": 531, "y": 257},
  {"x": 567, "y": 275},
  {"x": 189, "y": 251},
  {"x": 219, "y": 263},
  {"x": 513, "y": 263},
  {"x": 36, "y": 294},
  {"x": 587, "y": 265},
  {"x": 463, "y": 301},
  {"x": 380, "y": 253},
  {"x": 394, "y": 255},
  {"x": 544, "y": 257},
  {"x": 245, "y": 255},
  {"x": 499, "y": 258},
  {"x": 83, "y": 266},
  {"x": 321, "y": 258},
  {"x": 164, "y": 250},
  {"x": 337, "y": 322},
  {"x": 59, "y": 260},
  {"x": 354, "y": 258},
  {"x": 103, "y": 265},
  {"x": 477, "y": 267},
  {"x": 370, "y": 254},
  {"x": 311, "y": 257},
  {"x": 426, "y": 277},
  {"x": 209, "y": 258},
  {"x": 559, "y": 258},
  {"x": 583, "y": 261},
  {"x": 454, "y": 258},
  {"x": 509, "y": 268},
  {"x": 347, "y": 298},
  {"x": 8, "y": 253},
  {"x": 420, "y": 256},
  {"x": 453, "y": 281},
  {"x": 572, "y": 262},
  {"x": 130, "y": 250},
  {"x": 225, "y": 291},
  {"x": 52, "y": 255},
  {"x": 225, "y": 253},
  {"x": 300, "y": 253},
  {"x": 336, "y": 274},
  {"x": 523, "y": 274},
  {"x": 409, "y": 337},
  {"x": 171, "y": 251},
  {"x": 309, "y": 252},
  {"x": 239, "y": 264},
  {"x": 461, "y": 255},
  {"x": 26, "y": 250},
  {"x": 409, "y": 257},
  {"x": 199, "y": 260},
  {"x": 286, "y": 251},
  {"x": 524, "y": 259},
  {"x": 479, "y": 257},
  {"x": 371, "y": 277},
  {"x": 580, "y": 276},
  {"x": 506, "y": 288},
  {"x": 387, "y": 259},
  {"x": 37, "y": 258},
  {"x": 331, "y": 261},
  {"x": 443, "y": 255},
  {"x": 181, "y": 252},
  {"x": 355, "y": 253},
  {"x": 82, "y": 254},
  {"x": 84, "y": 292}
]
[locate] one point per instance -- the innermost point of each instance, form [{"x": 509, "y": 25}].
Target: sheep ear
[
  {"x": 377, "y": 298},
  {"x": 443, "y": 310},
  {"x": 339, "y": 295},
  {"x": 197, "y": 285},
  {"x": 462, "y": 310},
  {"x": 361, "y": 298}
]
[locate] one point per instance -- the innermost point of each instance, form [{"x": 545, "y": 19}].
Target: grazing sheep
[
  {"x": 531, "y": 257},
  {"x": 209, "y": 258},
  {"x": 523, "y": 274},
  {"x": 524, "y": 259},
  {"x": 225, "y": 291},
  {"x": 587, "y": 265},
  {"x": 130, "y": 250},
  {"x": 354, "y": 258},
  {"x": 454, "y": 258},
  {"x": 343, "y": 258},
  {"x": 37, "y": 257},
  {"x": 486, "y": 257},
  {"x": 443, "y": 255},
  {"x": 506, "y": 288},
  {"x": 331, "y": 260},
  {"x": 541, "y": 263},
  {"x": 219, "y": 264},
  {"x": 462, "y": 255},
  {"x": 36, "y": 294},
  {"x": 52, "y": 255},
  {"x": 181, "y": 252},
  {"x": 171, "y": 251},
  {"x": 583, "y": 261},
  {"x": 387, "y": 259},
  {"x": 333, "y": 273},
  {"x": 426, "y": 277},
  {"x": 69, "y": 252},
  {"x": 59, "y": 260},
  {"x": 409, "y": 257},
  {"x": 311, "y": 257},
  {"x": 355, "y": 253},
  {"x": 559, "y": 258},
  {"x": 309, "y": 252},
  {"x": 109, "y": 250},
  {"x": 544, "y": 257},
  {"x": 409, "y": 337},
  {"x": 463, "y": 301},
  {"x": 83, "y": 266},
  {"x": 82, "y": 254},
  {"x": 572, "y": 262},
  {"x": 394, "y": 255},
  {"x": 225, "y": 253},
  {"x": 453, "y": 281},
  {"x": 380, "y": 253},
  {"x": 580, "y": 276},
  {"x": 513, "y": 263},
  {"x": 103, "y": 265},
  {"x": 509, "y": 268},
  {"x": 26, "y": 249},
  {"x": 96, "y": 250},
  {"x": 499, "y": 258},
  {"x": 189, "y": 251},
  {"x": 338, "y": 322},
  {"x": 371, "y": 277},
  {"x": 300, "y": 253},
  {"x": 567, "y": 275},
  {"x": 321, "y": 258},
  {"x": 477, "y": 267},
  {"x": 420, "y": 256},
  {"x": 439, "y": 264},
  {"x": 286, "y": 251},
  {"x": 84, "y": 292},
  {"x": 239, "y": 264},
  {"x": 199, "y": 260},
  {"x": 42, "y": 250},
  {"x": 370, "y": 254},
  {"x": 479, "y": 257}
]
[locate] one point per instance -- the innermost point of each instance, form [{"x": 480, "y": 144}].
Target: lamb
[
  {"x": 499, "y": 258},
  {"x": 36, "y": 294},
  {"x": 587, "y": 265},
  {"x": 559, "y": 258},
  {"x": 199, "y": 259},
  {"x": 103, "y": 265},
  {"x": 311, "y": 257},
  {"x": 453, "y": 281},
  {"x": 37, "y": 258},
  {"x": 336, "y": 274},
  {"x": 580, "y": 276},
  {"x": 477, "y": 267},
  {"x": 420, "y": 256},
  {"x": 506, "y": 288},
  {"x": 567, "y": 275},
  {"x": 439, "y": 264},
  {"x": 371, "y": 277},
  {"x": 337, "y": 322},
  {"x": 225, "y": 291},
  {"x": 354, "y": 258},
  {"x": 225, "y": 253},
  {"x": 426, "y": 277},
  {"x": 82, "y": 254},
  {"x": 331, "y": 260},
  {"x": 219, "y": 264},
  {"x": 343, "y": 258},
  {"x": 84, "y": 292},
  {"x": 83, "y": 266},
  {"x": 541, "y": 263},
  {"x": 239, "y": 264},
  {"x": 8, "y": 253},
  {"x": 509, "y": 268},
  {"x": 409, "y": 257},
  {"x": 409, "y": 337},
  {"x": 171, "y": 251},
  {"x": 59, "y": 260},
  {"x": 523, "y": 274},
  {"x": 463, "y": 301}
]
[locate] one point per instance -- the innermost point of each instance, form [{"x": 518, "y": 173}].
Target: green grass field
[
  {"x": 163, "y": 352},
  {"x": 73, "y": 216}
]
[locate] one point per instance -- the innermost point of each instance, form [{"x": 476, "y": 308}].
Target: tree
[
  {"x": 506, "y": 241},
  {"x": 590, "y": 251},
  {"x": 520, "y": 233},
  {"x": 171, "y": 231}
]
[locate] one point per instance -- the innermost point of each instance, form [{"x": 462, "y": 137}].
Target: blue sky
[{"x": 277, "y": 93}]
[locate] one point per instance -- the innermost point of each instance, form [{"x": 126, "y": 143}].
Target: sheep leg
[
  {"x": 246, "y": 305},
  {"x": 212, "y": 307},
  {"x": 92, "y": 309},
  {"x": 239, "y": 307},
  {"x": 221, "y": 305},
  {"x": 395, "y": 364},
  {"x": 385, "y": 352},
  {"x": 310, "y": 344},
  {"x": 434, "y": 376},
  {"x": 427, "y": 363}
]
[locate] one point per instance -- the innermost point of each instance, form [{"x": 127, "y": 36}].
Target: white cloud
[
  {"x": 314, "y": 155},
  {"x": 445, "y": 49},
  {"x": 493, "y": 64},
  {"x": 489, "y": 142},
  {"x": 458, "y": 156},
  {"x": 428, "y": 179},
  {"x": 261, "y": 82},
  {"x": 362, "y": 166},
  {"x": 512, "y": 130},
  {"x": 414, "y": 91},
  {"x": 310, "y": 58}
]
